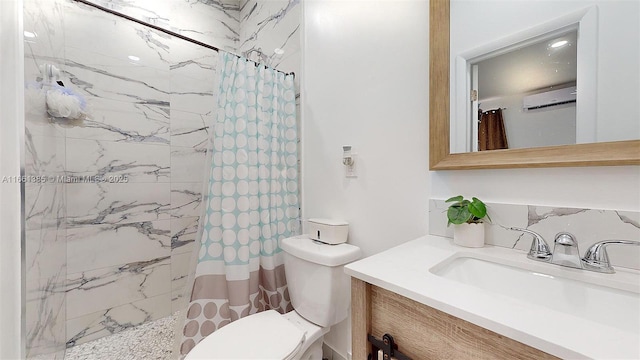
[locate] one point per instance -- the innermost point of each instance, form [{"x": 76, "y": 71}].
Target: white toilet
[{"x": 320, "y": 294}]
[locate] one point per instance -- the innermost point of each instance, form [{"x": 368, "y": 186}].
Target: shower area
[{"x": 112, "y": 212}]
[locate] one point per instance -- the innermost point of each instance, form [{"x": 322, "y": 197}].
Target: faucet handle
[
  {"x": 597, "y": 259},
  {"x": 539, "y": 248}
]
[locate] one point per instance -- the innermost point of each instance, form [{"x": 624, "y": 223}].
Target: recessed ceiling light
[
  {"x": 560, "y": 43},
  {"x": 134, "y": 58},
  {"x": 278, "y": 51},
  {"x": 29, "y": 34}
]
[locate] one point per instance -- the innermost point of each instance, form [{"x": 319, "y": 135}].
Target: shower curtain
[
  {"x": 251, "y": 200},
  {"x": 491, "y": 132}
]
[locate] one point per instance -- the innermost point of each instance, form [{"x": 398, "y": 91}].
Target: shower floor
[{"x": 152, "y": 340}]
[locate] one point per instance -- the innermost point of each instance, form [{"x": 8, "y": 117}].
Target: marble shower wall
[
  {"x": 270, "y": 33},
  {"x": 105, "y": 256},
  {"x": 129, "y": 240},
  {"x": 45, "y": 202},
  {"x": 587, "y": 225},
  {"x": 213, "y": 22}
]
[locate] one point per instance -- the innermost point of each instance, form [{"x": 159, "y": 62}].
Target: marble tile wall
[
  {"x": 118, "y": 231},
  {"x": 270, "y": 33},
  {"x": 104, "y": 256},
  {"x": 213, "y": 22},
  {"x": 45, "y": 207},
  {"x": 128, "y": 242},
  {"x": 588, "y": 225},
  {"x": 113, "y": 254}
]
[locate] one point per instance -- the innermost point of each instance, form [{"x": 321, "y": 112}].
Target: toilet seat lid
[{"x": 265, "y": 335}]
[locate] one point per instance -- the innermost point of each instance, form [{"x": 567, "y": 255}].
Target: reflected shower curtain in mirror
[
  {"x": 250, "y": 203},
  {"x": 491, "y": 132}
]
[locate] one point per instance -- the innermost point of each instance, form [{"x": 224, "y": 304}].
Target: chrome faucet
[
  {"x": 539, "y": 248},
  {"x": 597, "y": 259},
  {"x": 566, "y": 253}
]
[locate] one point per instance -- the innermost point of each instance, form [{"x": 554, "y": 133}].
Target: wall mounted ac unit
[{"x": 550, "y": 98}]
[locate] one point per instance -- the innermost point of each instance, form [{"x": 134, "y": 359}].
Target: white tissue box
[{"x": 328, "y": 231}]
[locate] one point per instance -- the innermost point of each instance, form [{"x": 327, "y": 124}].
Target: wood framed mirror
[{"x": 440, "y": 157}]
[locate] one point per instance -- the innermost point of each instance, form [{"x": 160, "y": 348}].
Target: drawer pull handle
[{"x": 388, "y": 346}]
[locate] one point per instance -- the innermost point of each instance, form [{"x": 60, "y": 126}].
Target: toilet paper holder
[{"x": 388, "y": 346}]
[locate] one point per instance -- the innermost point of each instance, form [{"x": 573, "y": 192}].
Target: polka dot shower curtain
[{"x": 251, "y": 201}]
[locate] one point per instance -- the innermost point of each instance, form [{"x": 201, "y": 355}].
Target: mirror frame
[{"x": 614, "y": 153}]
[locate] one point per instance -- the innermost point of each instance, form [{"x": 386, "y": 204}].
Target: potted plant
[{"x": 467, "y": 215}]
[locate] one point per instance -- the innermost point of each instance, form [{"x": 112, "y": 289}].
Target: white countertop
[{"x": 405, "y": 270}]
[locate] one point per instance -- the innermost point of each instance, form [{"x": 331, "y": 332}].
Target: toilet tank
[{"x": 319, "y": 289}]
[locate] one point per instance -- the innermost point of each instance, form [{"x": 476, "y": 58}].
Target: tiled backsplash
[{"x": 587, "y": 225}]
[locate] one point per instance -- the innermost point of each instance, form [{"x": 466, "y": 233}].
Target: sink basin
[{"x": 605, "y": 305}]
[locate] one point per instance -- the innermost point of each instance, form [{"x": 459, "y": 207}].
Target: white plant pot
[{"x": 469, "y": 235}]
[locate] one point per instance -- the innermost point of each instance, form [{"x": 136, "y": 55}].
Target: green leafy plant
[{"x": 465, "y": 211}]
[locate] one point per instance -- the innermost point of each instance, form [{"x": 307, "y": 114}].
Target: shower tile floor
[{"x": 150, "y": 341}]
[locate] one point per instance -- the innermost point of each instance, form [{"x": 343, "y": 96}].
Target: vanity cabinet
[{"x": 422, "y": 332}]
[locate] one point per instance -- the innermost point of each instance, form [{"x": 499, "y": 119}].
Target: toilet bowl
[
  {"x": 265, "y": 335},
  {"x": 320, "y": 294}
]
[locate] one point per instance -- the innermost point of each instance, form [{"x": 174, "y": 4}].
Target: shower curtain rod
[{"x": 169, "y": 32}]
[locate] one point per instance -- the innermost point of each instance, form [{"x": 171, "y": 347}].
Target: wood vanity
[{"x": 423, "y": 332}]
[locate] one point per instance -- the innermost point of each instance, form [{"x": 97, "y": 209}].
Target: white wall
[
  {"x": 11, "y": 108},
  {"x": 365, "y": 84}
]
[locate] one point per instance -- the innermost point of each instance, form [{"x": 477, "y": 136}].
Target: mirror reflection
[
  {"x": 525, "y": 96},
  {"x": 588, "y": 94}
]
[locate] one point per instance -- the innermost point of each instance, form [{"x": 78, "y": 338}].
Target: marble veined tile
[
  {"x": 213, "y": 22},
  {"x": 99, "y": 246},
  {"x": 187, "y": 164},
  {"x": 120, "y": 121},
  {"x": 267, "y": 26},
  {"x": 45, "y": 206},
  {"x": 45, "y": 302},
  {"x": 590, "y": 226},
  {"x": 180, "y": 269},
  {"x": 183, "y": 234},
  {"x": 131, "y": 161},
  {"x": 185, "y": 199},
  {"x": 118, "y": 38},
  {"x": 105, "y": 288},
  {"x": 192, "y": 89},
  {"x": 130, "y": 83},
  {"x": 504, "y": 216},
  {"x": 190, "y": 129},
  {"x": 150, "y": 11},
  {"x": 44, "y": 28},
  {"x": 44, "y": 155},
  {"x": 193, "y": 95},
  {"x": 45, "y": 314},
  {"x": 109, "y": 203},
  {"x": 113, "y": 320},
  {"x": 45, "y": 253},
  {"x": 186, "y": 54}
]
